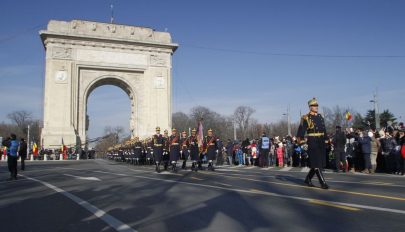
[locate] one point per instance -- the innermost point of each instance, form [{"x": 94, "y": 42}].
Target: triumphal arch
[{"x": 83, "y": 55}]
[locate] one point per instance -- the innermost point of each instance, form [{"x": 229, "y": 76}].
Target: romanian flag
[
  {"x": 348, "y": 116},
  {"x": 35, "y": 149}
]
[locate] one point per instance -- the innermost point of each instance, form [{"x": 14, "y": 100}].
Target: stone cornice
[
  {"x": 107, "y": 35},
  {"x": 124, "y": 45},
  {"x": 103, "y": 42}
]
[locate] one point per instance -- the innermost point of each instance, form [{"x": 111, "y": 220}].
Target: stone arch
[{"x": 83, "y": 55}]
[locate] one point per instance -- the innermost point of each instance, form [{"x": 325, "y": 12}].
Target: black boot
[
  {"x": 158, "y": 168},
  {"x": 212, "y": 166},
  {"x": 174, "y": 168},
  {"x": 308, "y": 179},
  {"x": 184, "y": 165},
  {"x": 321, "y": 179}
]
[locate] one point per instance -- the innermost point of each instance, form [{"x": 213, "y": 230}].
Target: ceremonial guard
[
  {"x": 137, "y": 151},
  {"x": 157, "y": 146},
  {"x": 148, "y": 151},
  {"x": 210, "y": 149},
  {"x": 174, "y": 149},
  {"x": 184, "y": 149},
  {"x": 313, "y": 127},
  {"x": 166, "y": 149},
  {"x": 193, "y": 149}
]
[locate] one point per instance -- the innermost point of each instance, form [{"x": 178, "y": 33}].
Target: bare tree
[
  {"x": 242, "y": 116},
  {"x": 22, "y": 119},
  {"x": 181, "y": 121}
]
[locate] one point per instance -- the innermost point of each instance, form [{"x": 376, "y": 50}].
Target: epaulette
[{"x": 304, "y": 117}]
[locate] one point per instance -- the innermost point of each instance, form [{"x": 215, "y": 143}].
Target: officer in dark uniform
[
  {"x": 211, "y": 149},
  {"x": 157, "y": 146},
  {"x": 313, "y": 126},
  {"x": 174, "y": 149},
  {"x": 148, "y": 151},
  {"x": 184, "y": 149},
  {"x": 166, "y": 150},
  {"x": 194, "y": 151},
  {"x": 137, "y": 151}
]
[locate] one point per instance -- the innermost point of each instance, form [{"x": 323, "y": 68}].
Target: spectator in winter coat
[
  {"x": 229, "y": 151},
  {"x": 388, "y": 145},
  {"x": 280, "y": 154},
  {"x": 365, "y": 143},
  {"x": 402, "y": 143}
]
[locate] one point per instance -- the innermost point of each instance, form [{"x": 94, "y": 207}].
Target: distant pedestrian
[
  {"x": 22, "y": 152},
  {"x": 12, "y": 157}
]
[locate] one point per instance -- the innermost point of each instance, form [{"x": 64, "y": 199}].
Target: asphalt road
[{"x": 101, "y": 195}]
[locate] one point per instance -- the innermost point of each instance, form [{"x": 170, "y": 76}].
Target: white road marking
[
  {"x": 272, "y": 194},
  {"x": 83, "y": 177},
  {"x": 286, "y": 169},
  {"x": 110, "y": 220},
  {"x": 306, "y": 169}
]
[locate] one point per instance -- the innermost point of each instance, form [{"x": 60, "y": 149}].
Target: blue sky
[{"x": 262, "y": 53}]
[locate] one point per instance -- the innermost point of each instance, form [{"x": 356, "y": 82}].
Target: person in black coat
[
  {"x": 339, "y": 143},
  {"x": 365, "y": 143},
  {"x": 23, "y": 153},
  {"x": 313, "y": 127}
]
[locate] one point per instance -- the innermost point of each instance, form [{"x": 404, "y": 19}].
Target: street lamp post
[
  {"x": 376, "y": 112},
  {"x": 288, "y": 121}
]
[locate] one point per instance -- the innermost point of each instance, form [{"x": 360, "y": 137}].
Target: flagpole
[{"x": 28, "y": 141}]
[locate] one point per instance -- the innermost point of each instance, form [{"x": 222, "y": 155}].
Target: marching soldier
[
  {"x": 313, "y": 126},
  {"x": 174, "y": 149},
  {"x": 184, "y": 149},
  {"x": 194, "y": 151},
  {"x": 157, "y": 146},
  {"x": 210, "y": 148},
  {"x": 166, "y": 149},
  {"x": 137, "y": 150},
  {"x": 148, "y": 151}
]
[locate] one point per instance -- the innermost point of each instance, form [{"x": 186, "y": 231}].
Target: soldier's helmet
[
  {"x": 184, "y": 132},
  {"x": 157, "y": 128},
  {"x": 193, "y": 130},
  {"x": 210, "y": 130},
  {"x": 313, "y": 102},
  {"x": 174, "y": 130}
]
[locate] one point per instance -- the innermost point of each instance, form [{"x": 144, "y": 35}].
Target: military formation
[{"x": 168, "y": 152}]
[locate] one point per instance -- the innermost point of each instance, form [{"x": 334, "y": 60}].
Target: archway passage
[
  {"x": 108, "y": 111},
  {"x": 82, "y": 55}
]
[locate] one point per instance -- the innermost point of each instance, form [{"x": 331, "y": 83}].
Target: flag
[
  {"x": 348, "y": 116},
  {"x": 35, "y": 149},
  {"x": 200, "y": 133}
]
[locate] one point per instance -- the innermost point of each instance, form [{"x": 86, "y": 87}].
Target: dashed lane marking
[{"x": 333, "y": 205}]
